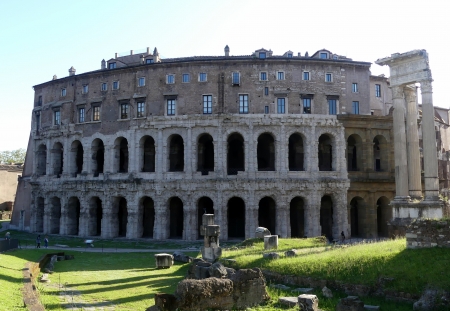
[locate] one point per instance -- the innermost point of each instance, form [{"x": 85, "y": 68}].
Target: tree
[{"x": 13, "y": 157}]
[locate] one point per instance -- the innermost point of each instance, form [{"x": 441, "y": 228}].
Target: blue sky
[{"x": 41, "y": 38}]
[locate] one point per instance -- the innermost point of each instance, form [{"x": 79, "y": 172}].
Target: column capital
[
  {"x": 410, "y": 94},
  {"x": 397, "y": 92},
  {"x": 426, "y": 86}
]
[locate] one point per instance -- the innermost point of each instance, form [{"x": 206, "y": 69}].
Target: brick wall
[{"x": 428, "y": 233}]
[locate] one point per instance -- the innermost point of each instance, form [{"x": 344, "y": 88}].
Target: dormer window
[
  {"x": 323, "y": 55},
  {"x": 112, "y": 65},
  {"x": 149, "y": 61},
  {"x": 262, "y": 55},
  {"x": 289, "y": 55}
]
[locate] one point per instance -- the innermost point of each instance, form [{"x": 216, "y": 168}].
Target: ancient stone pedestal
[
  {"x": 163, "y": 260},
  {"x": 210, "y": 250},
  {"x": 271, "y": 242}
]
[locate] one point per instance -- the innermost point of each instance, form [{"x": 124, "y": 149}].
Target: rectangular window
[
  {"x": 63, "y": 92},
  {"x": 57, "y": 117},
  {"x": 289, "y": 55},
  {"x": 377, "y": 90},
  {"x": 263, "y": 76},
  {"x": 115, "y": 85},
  {"x": 202, "y": 77},
  {"x": 104, "y": 87},
  {"x": 112, "y": 65},
  {"x": 332, "y": 106},
  {"x": 280, "y": 75},
  {"x": 81, "y": 115},
  {"x": 149, "y": 61},
  {"x": 141, "y": 81},
  {"x": 306, "y": 75},
  {"x": 186, "y": 78},
  {"x": 355, "y": 107},
  {"x": 96, "y": 113},
  {"x": 281, "y": 105},
  {"x": 266, "y": 109},
  {"x": 140, "y": 109},
  {"x": 243, "y": 103},
  {"x": 307, "y": 105},
  {"x": 124, "y": 111},
  {"x": 328, "y": 77},
  {"x": 236, "y": 78},
  {"x": 38, "y": 121},
  {"x": 39, "y": 103},
  {"x": 355, "y": 87},
  {"x": 171, "y": 107},
  {"x": 324, "y": 55},
  {"x": 262, "y": 55},
  {"x": 170, "y": 79},
  {"x": 266, "y": 91},
  {"x": 207, "y": 104},
  {"x": 85, "y": 88}
]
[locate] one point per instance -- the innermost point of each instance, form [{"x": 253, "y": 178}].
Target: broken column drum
[{"x": 211, "y": 250}]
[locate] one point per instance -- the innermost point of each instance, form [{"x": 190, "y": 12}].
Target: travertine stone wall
[{"x": 424, "y": 233}]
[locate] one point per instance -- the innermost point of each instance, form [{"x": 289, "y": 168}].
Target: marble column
[
  {"x": 429, "y": 143},
  {"x": 401, "y": 164},
  {"x": 412, "y": 139}
]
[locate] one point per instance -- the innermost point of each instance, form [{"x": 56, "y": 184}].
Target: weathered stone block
[
  {"x": 351, "y": 303},
  {"x": 288, "y": 301},
  {"x": 308, "y": 302},
  {"x": 270, "y": 242},
  {"x": 271, "y": 256},
  {"x": 261, "y": 232},
  {"x": 164, "y": 260},
  {"x": 212, "y": 230}
]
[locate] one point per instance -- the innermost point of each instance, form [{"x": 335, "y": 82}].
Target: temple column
[
  {"x": 412, "y": 139},
  {"x": 429, "y": 143},
  {"x": 401, "y": 164}
]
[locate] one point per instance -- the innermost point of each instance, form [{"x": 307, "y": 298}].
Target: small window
[
  {"x": 335, "y": 57},
  {"x": 307, "y": 105},
  {"x": 81, "y": 115},
  {"x": 140, "y": 109},
  {"x": 281, "y": 105},
  {"x": 104, "y": 87},
  {"x": 323, "y": 55},
  {"x": 372, "y": 112},
  {"x": 355, "y": 87},
  {"x": 328, "y": 77},
  {"x": 57, "y": 117},
  {"x": 85, "y": 89},
  {"x": 289, "y": 55},
  {"x": 236, "y": 78},
  {"x": 141, "y": 81},
  {"x": 112, "y": 65},
  {"x": 171, "y": 107},
  {"x": 63, "y": 92},
  {"x": 38, "y": 121},
  {"x": 377, "y": 90},
  {"x": 124, "y": 108},
  {"x": 355, "y": 107},
  {"x": 186, "y": 78},
  {"x": 170, "y": 79},
  {"x": 39, "y": 103},
  {"x": 306, "y": 75},
  {"x": 280, "y": 75},
  {"x": 96, "y": 113},
  {"x": 262, "y": 55},
  {"x": 243, "y": 103},
  {"x": 207, "y": 104},
  {"x": 115, "y": 85},
  {"x": 266, "y": 109},
  {"x": 332, "y": 106},
  {"x": 149, "y": 61},
  {"x": 202, "y": 77},
  {"x": 266, "y": 91},
  {"x": 263, "y": 76}
]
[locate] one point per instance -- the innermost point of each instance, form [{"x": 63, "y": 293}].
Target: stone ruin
[{"x": 211, "y": 250}]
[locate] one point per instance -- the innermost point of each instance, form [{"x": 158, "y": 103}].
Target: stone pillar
[
  {"x": 412, "y": 139},
  {"x": 340, "y": 215},
  {"x": 401, "y": 164},
  {"x": 311, "y": 156},
  {"x": 47, "y": 214},
  {"x": 429, "y": 143},
  {"x": 312, "y": 215},
  {"x": 85, "y": 217},
  {"x": 188, "y": 153},
  {"x": 159, "y": 155},
  {"x": 110, "y": 228},
  {"x": 251, "y": 215},
  {"x": 282, "y": 219},
  {"x": 283, "y": 154},
  {"x": 190, "y": 223},
  {"x": 251, "y": 153},
  {"x": 133, "y": 225}
]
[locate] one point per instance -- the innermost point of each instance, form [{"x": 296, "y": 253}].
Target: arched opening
[
  {"x": 296, "y": 153},
  {"x": 205, "y": 153},
  {"x": 148, "y": 217},
  {"x": 121, "y": 149},
  {"x": 266, "y": 152},
  {"x": 267, "y": 214},
  {"x": 57, "y": 159},
  {"x": 380, "y": 154},
  {"x": 76, "y": 158},
  {"x": 40, "y": 206},
  {"x": 176, "y": 154},
  {"x": 41, "y": 160},
  {"x": 326, "y": 216},
  {"x": 55, "y": 215},
  {"x": 297, "y": 217},
  {"x": 95, "y": 217},
  {"x": 356, "y": 212},
  {"x": 354, "y": 153},
  {"x": 235, "y": 154},
  {"x": 147, "y": 146},
  {"x": 325, "y": 153},
  {"x": 205, "y": 206},
  {"x": 73, "y": 216},
  {"x": 384, "y": 215},
  {"x": 176, "y": 218},
  {"x": 236, "y": 218},
  {"x": 98, "y": 157},
  {"x": 122, "y": 216}
]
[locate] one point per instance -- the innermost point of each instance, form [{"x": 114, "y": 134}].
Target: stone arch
[
  {"x": 236, "y": 218},
  {"x": 121, "y": 155},
  {"x": 147, "y": 214},
  {"x": 356, "y": 217},
  {"x": 119, "y": 217},
  {"x": 147, "y": 152},
  {"x": 57, "y": 159},
  {"x": 73, "y": 216},
  {"x": 204, "y": 206},
  {"x": 266, "y": 152},
  {"x": 39, "y": 217},
  {"x": 325, "y": 152},
  {"x": 176, "y": 216},
  {"x": 296, "y": 152},
  {"x": 384, "y": 215},
  {"x": 205, "y": 154},
  {"x": 55, "y": 215},
  {"x": 76, "y": 158},
  {"x": 41, "y": 160},
  {"x": 267, "y": 214},
  {"x": 354, "y": 153},
  {"x": 380, "y": 154},
  {"x": 235, "y": 154},
  {"x": 98, "y": 156},
  {"x": 326, "y": 216},
  {"x": 297, "y": 217},
  {"x": 95, "y": 216},
  {"x": 176, "y": 153}
]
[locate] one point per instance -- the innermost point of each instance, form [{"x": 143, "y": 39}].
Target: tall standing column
[
  {"x": 401, "y": 164},
  {"x": 412, "y": 139},
  {"x": 429, "y": 143}
]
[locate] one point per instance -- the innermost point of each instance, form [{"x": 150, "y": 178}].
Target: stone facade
[{"x": 424, "y": 233}]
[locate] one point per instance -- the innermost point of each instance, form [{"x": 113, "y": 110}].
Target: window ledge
[
  {"x": 140, "y": 118},
  {"x": 127, "y": 119}
]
